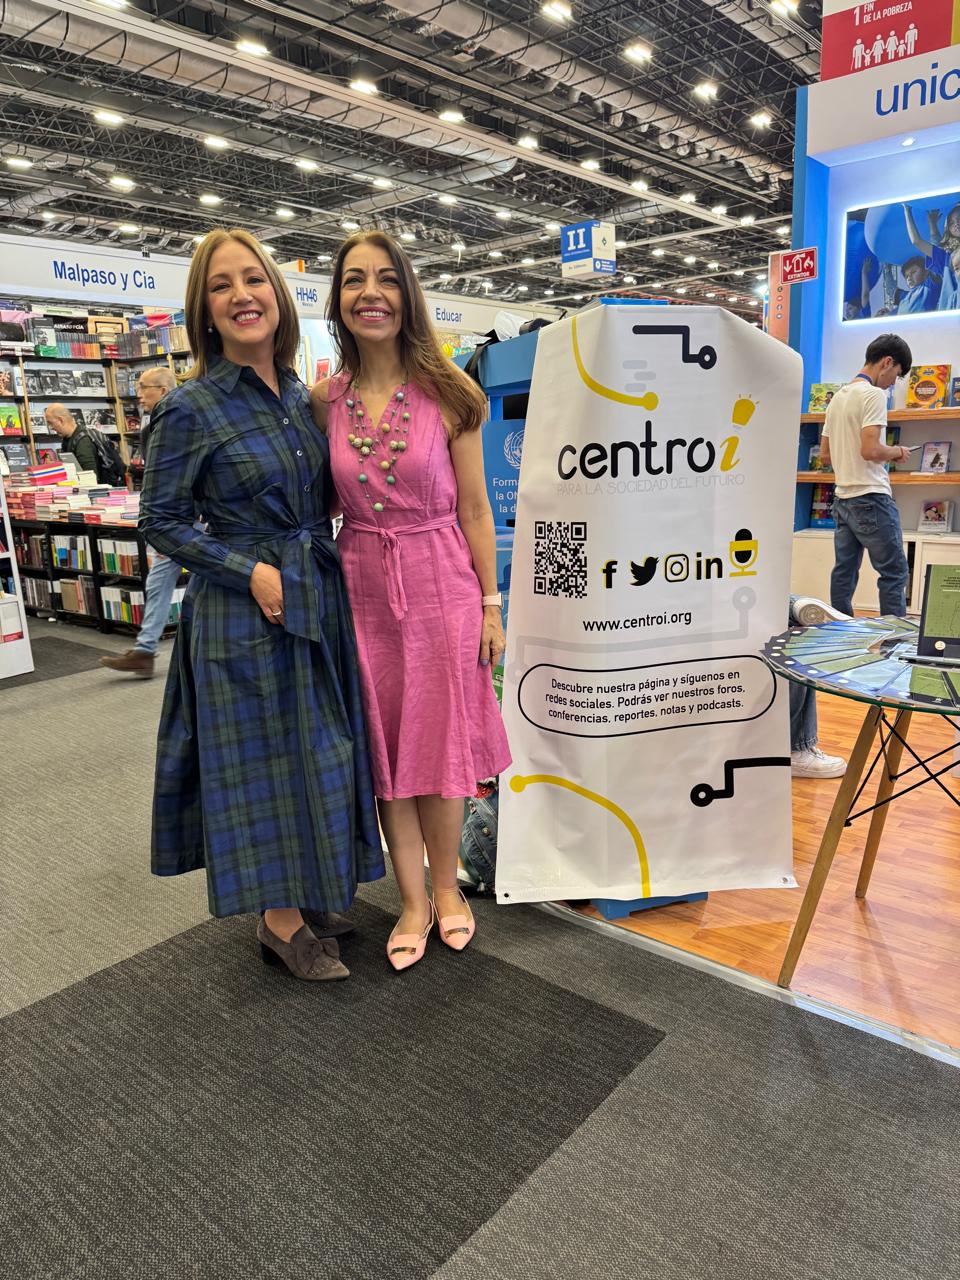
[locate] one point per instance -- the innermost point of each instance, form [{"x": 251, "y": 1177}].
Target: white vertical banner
[{"x": 651, "y": 563}]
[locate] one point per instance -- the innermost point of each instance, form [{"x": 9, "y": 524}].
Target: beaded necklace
[{"x": 395, "y": 419}]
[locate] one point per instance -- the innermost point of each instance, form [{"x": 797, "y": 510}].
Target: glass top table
[{"x": 865, "y": 659}]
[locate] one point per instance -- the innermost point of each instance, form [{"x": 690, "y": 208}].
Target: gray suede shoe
[
  {"x": 327, "y": 924},
  {"x": 306, "y": 956}
]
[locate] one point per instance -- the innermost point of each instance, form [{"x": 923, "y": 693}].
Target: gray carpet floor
[
  {"x": 754, "y": 1141},
  {"x": 53, "y": 658}
]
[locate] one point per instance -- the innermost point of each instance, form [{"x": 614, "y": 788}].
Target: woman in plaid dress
[
  {"x": 420, "y": 562},
  {"x": 263, "y": 775}
]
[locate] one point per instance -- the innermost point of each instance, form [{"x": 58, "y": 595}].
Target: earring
[{"x": 209, "y": 328}]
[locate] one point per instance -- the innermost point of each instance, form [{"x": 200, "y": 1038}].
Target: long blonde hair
[
  {"x": 205, "y": 343},
  {"x": 420, "y": 351}
]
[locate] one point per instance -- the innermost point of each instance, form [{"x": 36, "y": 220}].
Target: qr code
[{"x": 560, "y": 558}]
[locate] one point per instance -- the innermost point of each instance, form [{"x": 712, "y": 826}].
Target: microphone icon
[{"x": 743, "y": 554}]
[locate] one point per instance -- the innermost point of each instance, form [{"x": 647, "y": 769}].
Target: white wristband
[{"x": 495, "y": 599}]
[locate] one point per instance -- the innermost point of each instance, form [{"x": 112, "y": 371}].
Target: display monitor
[{"x": 903, "y": 258}]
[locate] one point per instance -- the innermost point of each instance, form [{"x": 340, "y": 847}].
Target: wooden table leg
[
  {"x": 884, "y": 791},
  {"x": 828, "y": 845}
]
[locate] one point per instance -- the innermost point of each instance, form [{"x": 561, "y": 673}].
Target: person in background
[
  {"x": 866, "y": 515},
  {"x": 263, "y": 774},
  {"x": 75, "y": 439},
  {"x": 420, "y": 562},
  {"x": 806, "y": 758},
  {"x": 152, "y": 386}
]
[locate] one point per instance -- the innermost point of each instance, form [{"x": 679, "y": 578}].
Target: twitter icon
[{"x": 643, "y": 572}]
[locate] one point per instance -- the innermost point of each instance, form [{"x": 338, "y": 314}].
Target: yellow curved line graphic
[
  {"x": 520, "y": 783},
  {"x": 649, "y": 400}
]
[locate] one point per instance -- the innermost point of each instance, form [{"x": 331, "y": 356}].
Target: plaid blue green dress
[{"x": 262, "y": 774}]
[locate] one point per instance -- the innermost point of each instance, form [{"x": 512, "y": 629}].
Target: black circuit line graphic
[
  {"x": 706, "y": 357},
  {"x": 703, "y": 794}
]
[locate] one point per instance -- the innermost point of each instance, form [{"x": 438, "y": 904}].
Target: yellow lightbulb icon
[{"x": 743, "y": 411}]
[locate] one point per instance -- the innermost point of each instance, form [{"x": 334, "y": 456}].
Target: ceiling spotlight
[
  {"x": 324, "y": 257},
  {"x": 445, "y": 275},
  {"x": 713, "y": 266},
  {"x": 47, "y": 216},
  {"x": 760, "y": 278},
  {"x": 557, "y": 10},
  {"x": 408, "y": 237},
  {"x": 363, "y": 84},
  {"x": 268, "y": 248},
  {"x": 522, "y": 288},
  {"x": 21, "y": 162},
  {"x": 253, "y": 47},
  {"x": 528, "y": 142},
  {"x": 640, "y": 184},
  {"x": 783, "y": 231},
  {"x": 578, "y": 297},
  {"x": 383, "y": 183},
  {"x": 551, "y": 226},
  {"x": 747, "y": 220},
  {"x": 688, "y": 198},
  {"x": 682, "y": 289},
  {"x": 495, "y": 253},
  {"x": 658, "y": 253},
  {"x": 216, "y": 143},
  {"x": 619, "y": 244},
  {"x": 283, "y": 212},
  {"x": 719, "y": 210},
  {"x": 446, "y": 198},
  {"x": 128, "y": 228},
  {"x": 761, "y": 119},
  {"x": 348, "y": 224},
  {"x": 451, "y": 115},
  {"x": 112, "y": 4},
  {"x": 908, "y": 142},
  {"x": 739, "y": 271},
  {"x": 629, "y": 279},
  {"x": 458, "y": 246},
  {"x": 734, "y": 298},
  {"x": 210, "y": 200},
  {"x": 487, "y": 285},
  {"x": 690, "y": 259},
  {"x": 591, "y": 164},
  {"x": 308, "y": 166},
  {"x": 119, "y": 181},
  {"x": 198, "y": 239},
  {"x": 548, "y": 293},
  {"x": 706, "y": 89},
  {"x": 638, "y": 52},
  {"x": 528, "y": 262},
  {"x": 109, "y": 117},
  {"x": 785, "y": 8},
  {"x": 711, "y": 295},
  {"x": 504, "y": 214}
]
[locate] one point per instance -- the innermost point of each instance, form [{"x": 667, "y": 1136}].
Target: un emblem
[{"x": 513, "y": 448}]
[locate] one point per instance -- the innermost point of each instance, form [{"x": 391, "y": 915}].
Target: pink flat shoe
[
  {"x": 405, "y": 949},
  {"x": 456, "y": 931}
]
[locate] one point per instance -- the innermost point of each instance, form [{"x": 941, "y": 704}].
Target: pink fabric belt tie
[{"x": 390, "y": 547}]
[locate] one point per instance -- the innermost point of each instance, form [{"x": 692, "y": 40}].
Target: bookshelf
[
  {"x": 86, "y": 573},
  {"x": 813, "y": 547},
  {"x": 15, "y": 656}
]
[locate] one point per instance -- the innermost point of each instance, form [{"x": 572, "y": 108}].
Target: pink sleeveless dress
[{"x": 433, "y": 721}]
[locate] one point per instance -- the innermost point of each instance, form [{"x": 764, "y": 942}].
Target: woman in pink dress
[{"x": 419, "y": 558}]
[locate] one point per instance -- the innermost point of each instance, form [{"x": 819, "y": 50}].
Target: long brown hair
[
  {"x": 207, "y": 345},
  {"x": 421, "y": 354}
]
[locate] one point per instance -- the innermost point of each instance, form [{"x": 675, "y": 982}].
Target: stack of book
[
  {"x": 77, "y": 595},
  {"x": 30, "y": 549},
  {"x": 121, "y": 558},
  {"x": 70, "y": 552}
]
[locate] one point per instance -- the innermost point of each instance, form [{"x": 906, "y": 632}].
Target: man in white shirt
[{"x": 866, "y": 514}]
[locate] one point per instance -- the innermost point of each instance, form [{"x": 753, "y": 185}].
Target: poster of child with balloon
[{"x": 903, "y": 258}]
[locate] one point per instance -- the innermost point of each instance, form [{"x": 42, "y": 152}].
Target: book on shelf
[
  {"x": 121, "y": 604},
  {"x": 955, "y": 392},
  {"x": 892, "y": 439},
  {"x": 821, "y": 507},
  {"x": 6, "y": 382},
  {"x": 71, "y": 552},
  {"x": 821, "y": 393},
  {"x": 77, "y": 595},
  {"x": 10, "y": 421},
  {"x": 121, "y": 558},
  {"x": 17, "y": 455},
  {"x": 928, "y": 386},
  {"x": 935, "y": 459},
  {"x": 936, "y": 517},
  {"x": 37, "y": 593}
]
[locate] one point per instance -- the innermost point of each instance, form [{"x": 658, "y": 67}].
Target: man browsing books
[
  {"x": 152, "y": 386},
  {"x": 866, "y": 515},
  {"x": 75, "y": 440}
]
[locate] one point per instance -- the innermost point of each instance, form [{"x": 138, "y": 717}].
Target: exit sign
[{"x": 798, "y": 265}]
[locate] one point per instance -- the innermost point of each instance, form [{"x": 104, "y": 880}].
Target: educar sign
[{"x": 651, "y": 563}]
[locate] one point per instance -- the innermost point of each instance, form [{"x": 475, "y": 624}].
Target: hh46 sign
[{"x": 799, "y": 265}]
